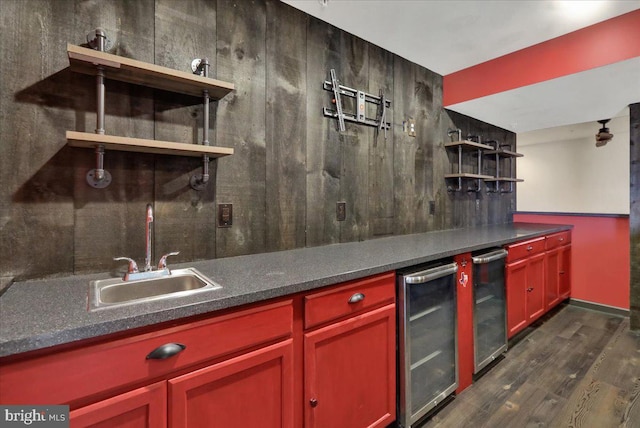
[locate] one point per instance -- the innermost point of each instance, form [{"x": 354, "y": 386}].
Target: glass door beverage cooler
[
  {"x": 489, "y": 308},
  {"x": 427, "y": 340}
]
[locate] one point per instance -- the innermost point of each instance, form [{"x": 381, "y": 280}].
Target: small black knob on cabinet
[{"x": 313, "y": 402}]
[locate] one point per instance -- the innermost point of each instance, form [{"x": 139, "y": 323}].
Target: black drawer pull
[
  {"x": 529, "y": 248},
  {"x": 357, "y": 297},
  {"x": 165, "y": 351},
  {"x": 530, "y": 289}
]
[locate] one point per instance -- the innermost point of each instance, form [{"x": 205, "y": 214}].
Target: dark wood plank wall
[
  {"x": 291, "y": 165},
  {"x": 381, "y": 208},
  {"x": 323, "y": 150},
  {"x": 241, "y": 125},
  {"x": 286, "y": 127},
  {"x": 634, "y": 213},
  {"x": 105, "y": 224},
  {"x": 184, "y": 218}
]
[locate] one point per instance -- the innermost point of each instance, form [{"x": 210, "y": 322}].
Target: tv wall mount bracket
[{"x": 361, "y": 99}]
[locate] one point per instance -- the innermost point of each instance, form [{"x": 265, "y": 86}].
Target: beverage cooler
[
  {"x": 489, "y": 307},
  {"x": 427, "y": 340}
]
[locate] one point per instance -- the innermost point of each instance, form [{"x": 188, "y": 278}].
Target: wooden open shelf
[
  {"x": 468, "y": 145},
  {"x": 84, "y": 60},
  {"x": 509, "y": 179},
  {"x": 504, "y": 153},
  {"x": 469, "y": 175},
  {"x": 127, "y": 144}
]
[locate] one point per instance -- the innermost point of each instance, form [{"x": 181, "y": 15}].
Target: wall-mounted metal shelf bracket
[
  {"x": 99, "y": 178},
  {"x": 473, "y": 144},
  {"x": 200, "y": 66},
  {"x": 361, "y": 99}
]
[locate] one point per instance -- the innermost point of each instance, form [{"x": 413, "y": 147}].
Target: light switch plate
[
  {"x": 341, "y": 211},
  {"x": 225, "y": 215}
]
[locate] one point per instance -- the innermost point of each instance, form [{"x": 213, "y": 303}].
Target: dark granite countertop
[{"x": 38, "y": 314}]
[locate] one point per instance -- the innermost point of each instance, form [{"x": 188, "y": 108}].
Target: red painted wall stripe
[
  {"x": 600, "y": 256},
  {"x": 614, "y": 40}
]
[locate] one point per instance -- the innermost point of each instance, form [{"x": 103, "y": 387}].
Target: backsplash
[{"x": 290, "y": 167}]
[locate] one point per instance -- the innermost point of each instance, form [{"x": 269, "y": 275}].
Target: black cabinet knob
[{"x": 313, "y": 402}]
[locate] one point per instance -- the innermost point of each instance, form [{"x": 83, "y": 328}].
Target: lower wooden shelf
[
  {"x": 469, "y": 175},
  {"x": 128, "y": 144},
  {"x": 509, "y": 179}
]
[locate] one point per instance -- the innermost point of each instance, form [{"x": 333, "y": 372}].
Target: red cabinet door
[
  {"x": 252, "y": 390},
  {"x": 564, "y": 271},
  {"x": 552, "y": 277},
  {"x": 350, "y": 369},
  {"x": 516, "y": 278},
  {"x": 144, "y": 407},
  {"x": 535, "y": 287}
]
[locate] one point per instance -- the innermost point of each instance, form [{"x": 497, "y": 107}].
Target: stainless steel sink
[{"x": 116, "y": 292}]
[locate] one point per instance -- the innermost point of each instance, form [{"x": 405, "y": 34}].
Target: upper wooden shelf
[
  {"x": 469, "y": 145},
  {"x": 127, "y": 144},
  {"x": 84, "y": 60}
]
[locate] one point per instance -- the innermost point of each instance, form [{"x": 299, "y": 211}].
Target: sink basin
[{"x": 116, "y": 292}]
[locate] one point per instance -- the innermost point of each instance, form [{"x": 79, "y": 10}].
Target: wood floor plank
[
  {"x": 463, "y": 415},
  {"x": 619, "y": 363},
  {"x": 579, "y": 368},
  {"x": 595, "y": 404},
  {"x": 529, "y": 406},
  {"x": 572, "y": 362}
]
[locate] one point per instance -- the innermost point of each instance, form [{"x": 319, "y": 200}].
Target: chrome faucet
[
  {"x": 147, "y": 231},
  {"x": 132, "y": 270}
]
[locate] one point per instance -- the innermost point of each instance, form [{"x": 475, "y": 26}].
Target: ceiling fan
[{"x": 603, "y": 136}]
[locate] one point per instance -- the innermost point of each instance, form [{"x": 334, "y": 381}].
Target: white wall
[{"x": 565, "y": 172}]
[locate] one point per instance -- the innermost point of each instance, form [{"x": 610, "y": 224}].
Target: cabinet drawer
[
  {"x": 349, "y": 298},
  {"x": 557, "y": 240},
  {"x": 66, "y": 376},
  {"x": 525, "y": 249}
]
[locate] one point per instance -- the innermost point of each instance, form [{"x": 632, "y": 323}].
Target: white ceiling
[{"x": 447, "y": 36}]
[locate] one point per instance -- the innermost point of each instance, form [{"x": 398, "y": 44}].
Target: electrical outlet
[
  {"x": 341, "y": 211},
  {"x": 409, "y": 126},
  {"x": 225, "y": 215}
]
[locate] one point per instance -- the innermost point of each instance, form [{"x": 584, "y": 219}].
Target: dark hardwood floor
[{"x": 580, "y": 368}]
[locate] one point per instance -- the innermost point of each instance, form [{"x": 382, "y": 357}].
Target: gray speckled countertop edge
[{"x": 38, "y": 314}]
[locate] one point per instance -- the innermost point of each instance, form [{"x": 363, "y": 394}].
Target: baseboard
[{"x": 612, "y": 310}]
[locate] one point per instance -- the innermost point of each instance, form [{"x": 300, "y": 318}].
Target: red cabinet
[
  {"x": 552, "y": 278},
  {"x": 525, "y": 278},
  {"x": 535, "y": 287},
  {"x": 558, "y": 268},
  {"x": 227, "y": 361},
  {"x": 144, "y": 407},
  {"x": 538, "y": 276},
  {"x": 564, "y": 272},
  {"x": 251, "y": 390},
  {"x": 350, "y": 363},
  {"x": 250, "y": 367},
  {"x": 350, "y": 372}
]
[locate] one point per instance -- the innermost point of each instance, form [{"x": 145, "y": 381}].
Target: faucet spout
[{"x": 148, "y": 226}]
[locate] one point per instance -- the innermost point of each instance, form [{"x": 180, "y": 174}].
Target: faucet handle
[
  {"x": 133, "y": 267},
  {"x": 162, "y": 264}
]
